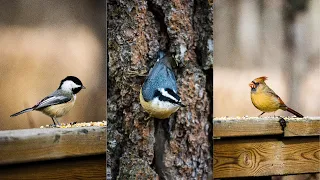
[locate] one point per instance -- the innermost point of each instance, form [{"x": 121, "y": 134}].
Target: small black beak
[{"x": 83, "y": 87}]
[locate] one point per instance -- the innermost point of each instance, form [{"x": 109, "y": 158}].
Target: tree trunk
[{"x": 141, "y": 148}]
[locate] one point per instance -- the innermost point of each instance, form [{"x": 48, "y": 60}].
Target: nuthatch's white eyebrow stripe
[{"x": 166, "y": 94}]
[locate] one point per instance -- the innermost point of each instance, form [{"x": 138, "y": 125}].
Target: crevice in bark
[
  {"x": 209, "y": 89},
  {"x": 161, "y": 138},
  {"x": 159, "y": 17},
  {"x": 163, "y": 127}
]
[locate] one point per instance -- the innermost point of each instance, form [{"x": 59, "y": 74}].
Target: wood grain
[
  {"x": 265, "y": 157},
  {"x": 27, "y": 145},
  {"x": 254, "y": 126},
  {"x": 88, "y": 167},
  {"x": 303, "y": 127}
]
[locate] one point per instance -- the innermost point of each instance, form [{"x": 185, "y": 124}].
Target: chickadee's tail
[
  {"x": 294, "y": 112},
  {"x": 21, "y": 112}
]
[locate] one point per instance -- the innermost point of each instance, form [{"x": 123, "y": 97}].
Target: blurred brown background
[
  {"x": 274, "y": 38},
  {"x": 42, "y": 42}
]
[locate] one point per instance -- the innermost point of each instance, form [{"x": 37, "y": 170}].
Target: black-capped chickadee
[
  {"x": 60, "y": 101},
  {"x": 158, "y": 95}
]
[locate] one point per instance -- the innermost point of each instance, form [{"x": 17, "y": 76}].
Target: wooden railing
[
  {"x": 57, "y": 153},
  {"x": 247, "y": 147}
]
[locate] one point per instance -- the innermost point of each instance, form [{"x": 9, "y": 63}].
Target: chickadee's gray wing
[{"x": 51, "y": 100}]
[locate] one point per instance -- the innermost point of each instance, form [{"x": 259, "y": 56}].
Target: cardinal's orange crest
[{"x": 260, "y": 79}]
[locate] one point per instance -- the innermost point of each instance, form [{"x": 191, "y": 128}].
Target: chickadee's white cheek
[{"x": 69, "y": 85}]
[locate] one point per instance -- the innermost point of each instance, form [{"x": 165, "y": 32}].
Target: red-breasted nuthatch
[{"x": 158, "y": 95}]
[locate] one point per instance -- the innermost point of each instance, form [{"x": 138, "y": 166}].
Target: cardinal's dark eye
[{"x": 255, "y": 83}]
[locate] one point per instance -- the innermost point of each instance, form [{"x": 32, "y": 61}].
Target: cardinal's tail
[{"x": 294, "y": 112}]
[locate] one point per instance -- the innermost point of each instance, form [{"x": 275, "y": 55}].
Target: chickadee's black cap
[{"x": 72, "y": 78}]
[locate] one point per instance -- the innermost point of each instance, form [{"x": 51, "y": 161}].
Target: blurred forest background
[
  {"x": 274, "y": 38},
  {"x": 42, "y": 42}
]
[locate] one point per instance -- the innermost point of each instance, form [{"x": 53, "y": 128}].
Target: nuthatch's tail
[
  {"x": 165, "y": 59},
  {"x": 21, "y": 112},
  {"x": 161, "y": 54}
]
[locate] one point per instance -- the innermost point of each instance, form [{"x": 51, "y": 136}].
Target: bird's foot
[
  {"x": 261, "y": 114},
  {"x": 53, "y": 126},
  {"x": 147, "y": 119},
  {"x": 136, "y": 73}
]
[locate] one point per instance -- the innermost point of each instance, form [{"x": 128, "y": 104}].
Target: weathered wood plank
[
  {"x": 303, "y": 127},
  {"x": 26, "y": 145},
  {"x": 88, "y": 167},
  {"x": 254, "y": 126},
  {"x": 231, "y": 127},
  {"x": 265, "y": 157}
]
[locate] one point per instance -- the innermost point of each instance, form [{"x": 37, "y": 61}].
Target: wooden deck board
[
  {"x": 87, "y": 167},
  {"x": 28, "y": 145},
  {"x": 254, "y": 126},
  {"x": 265, "y": 157},
  {"x": 256, "y": 147}
]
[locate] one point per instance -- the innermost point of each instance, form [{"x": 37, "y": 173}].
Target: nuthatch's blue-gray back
[{"x": 158, "y": 95}]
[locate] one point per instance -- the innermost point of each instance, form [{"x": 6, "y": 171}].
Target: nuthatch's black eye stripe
[
  {"x": 172, "y": 93},
  {"x": 164, "y": 98}
]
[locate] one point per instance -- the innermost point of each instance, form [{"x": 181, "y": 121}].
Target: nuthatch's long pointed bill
[
  {"x": 182, "y": 105},
  {"x": 83, "y": 87}
]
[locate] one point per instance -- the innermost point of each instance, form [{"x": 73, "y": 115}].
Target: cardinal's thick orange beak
[{"x": 252, "y": 85}]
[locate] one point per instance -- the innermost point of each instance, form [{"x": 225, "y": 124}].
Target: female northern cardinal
[{"x": 265, "y": 99}]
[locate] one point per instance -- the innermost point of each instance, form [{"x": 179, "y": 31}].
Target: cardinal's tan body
[{"x": 265, "y": 99}]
